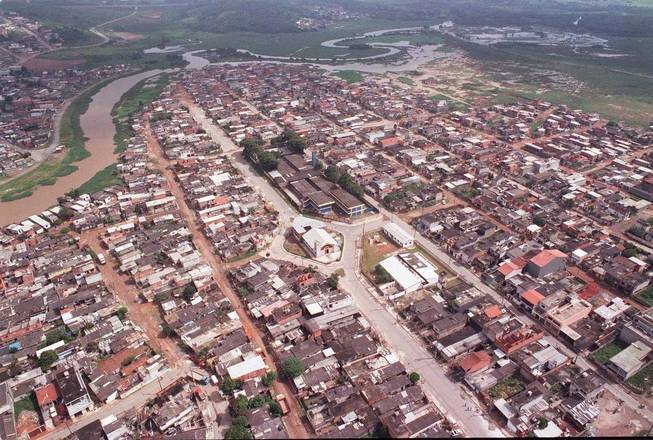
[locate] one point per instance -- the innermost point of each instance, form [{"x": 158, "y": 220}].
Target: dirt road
[
  {"x": 294, "y": 425},
  {"x": 145, "y": 315}
]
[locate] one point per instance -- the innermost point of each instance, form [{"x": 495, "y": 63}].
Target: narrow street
[
  {"x": 143, "y": 314},
  {"x": 293, "y": 422},
  {"x": 413, "y": 354},
  {"x": 117, "y": 407},
  {"x": 448, "y": 396}
]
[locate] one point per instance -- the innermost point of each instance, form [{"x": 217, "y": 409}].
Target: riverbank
[
  {"x": 70, "y": 135},
  {"x": 87, "y": 130},
  {"x": 139, "y": 96}
]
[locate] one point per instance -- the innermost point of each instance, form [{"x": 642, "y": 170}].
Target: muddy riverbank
[{"x": 98, "y": 128}]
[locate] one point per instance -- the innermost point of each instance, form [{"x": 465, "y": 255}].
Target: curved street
[{"x": 409, "y": 348}]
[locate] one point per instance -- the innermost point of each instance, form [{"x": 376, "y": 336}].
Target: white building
[
  {"x": 410, "y": 272},
  {"x": 406, "y": 280},
  {"x": 313, "y": 237},
  {"x": 398, "y": 235},
  {"x": 319, "y": 242}
]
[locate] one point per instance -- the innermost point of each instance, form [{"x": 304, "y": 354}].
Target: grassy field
[
  {"x": 139, "y": 96},
  {"x": 617, "y": 88},
  {"x": 373, "y": 253},
  {"x": 71, "y": 136},
  {"x": 507, "y": 388},
  {"x": 290, "y": 244},
  {"x": 641, "y": 381},
  {"x": 646, "y": 297},
  {"x": 27, "y": 403},
  {"x": 406, "y": 80},
  {"x": 77, "y": 16},
  {"x": 102, "y": 179},
  {"x": 110, "y": 55},
  {"x": 414, "y": 39},
  {"x": 351, "y": 76},
  {"x": 171, "y": 31},
  {"x": 603, "y": 354}
]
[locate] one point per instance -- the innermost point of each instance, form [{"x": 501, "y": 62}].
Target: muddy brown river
[{"x": 98, "y": 128}]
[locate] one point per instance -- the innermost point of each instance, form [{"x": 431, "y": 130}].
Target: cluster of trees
[
  {"x": 266, "y": 160},
  {"x": 381, "y": 276},
  {"x": 46, "y": 359},
  {"x": 228, "y": 385},
  {"x": 630, "y": 250},
  {"x": 269, "y": 378},
  {"x": 394, "y": 196},
  {"x": 290, "y": 140},
  {"x": 122, "y": 313},
  {"x": 239, "y": 406},
  {"x": 291, "y": 368},
  {"x": 189, "y": 292},
  {"x": 345, "y": 181},
  {"x": 332, "y": 280},
  {"x": 59, "y": 334}
]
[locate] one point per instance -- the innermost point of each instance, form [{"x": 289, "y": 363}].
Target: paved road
[
  {"x": 468, "y": 276},
  {"x": 447, "y": 395},
  {"x": 350, "y": 261}
]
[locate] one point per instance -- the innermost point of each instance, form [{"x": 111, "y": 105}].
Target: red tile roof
[
  {"x": 475, "y": 361},
  {"x": 507, "y": 268},
  {"x": 492, "y": 311},
  {"x": 46, "y": 394},
  {"x": 532, "y": 297},
  {"x": 547, "y": 256}
]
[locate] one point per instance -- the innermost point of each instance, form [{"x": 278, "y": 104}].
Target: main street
[
  {"x": 414, "y": 355},
  {"x": 448, "y": 396},
  {"x": 469, "y": 277}
]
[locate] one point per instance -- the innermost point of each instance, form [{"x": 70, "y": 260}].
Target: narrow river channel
[{"x": 98, "y": 128}]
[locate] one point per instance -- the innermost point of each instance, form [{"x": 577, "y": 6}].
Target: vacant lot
[
  {"x": 641, "y": 381},
  {"x": 507, "y": 388},
  {"x": 351, "y": 76},
  {"x": 646, "y": 297},
  {"x": 43, "y": 64},
  {"x": 603, "y": 354},
  {"x": 375, "y": 248},
  {"x": 618, "y": 419}
]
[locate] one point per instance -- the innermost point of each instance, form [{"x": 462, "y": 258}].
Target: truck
[
  {"x": 199, "y": 394},
  {"x": 101, "y": 259},
  {"x": 281, "y": 400}
]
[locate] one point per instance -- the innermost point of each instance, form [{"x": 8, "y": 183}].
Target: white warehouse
[
  {"x": 398, "y": 235},
  {"x": 410, "y": 272}
]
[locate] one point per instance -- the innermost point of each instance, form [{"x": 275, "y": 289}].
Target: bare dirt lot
[
  {"x": 27, "y": 422},
  {"x": 40, "y": 64},
  {"x": 128, "y": 36},
  {"x": 375, "y": 247},
  {"x": 617, "y": 419}
]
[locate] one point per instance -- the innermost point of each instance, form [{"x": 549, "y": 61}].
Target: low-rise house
[
  {"x": 73, "y": 392},
  {"x": 629, "y": 360}
]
